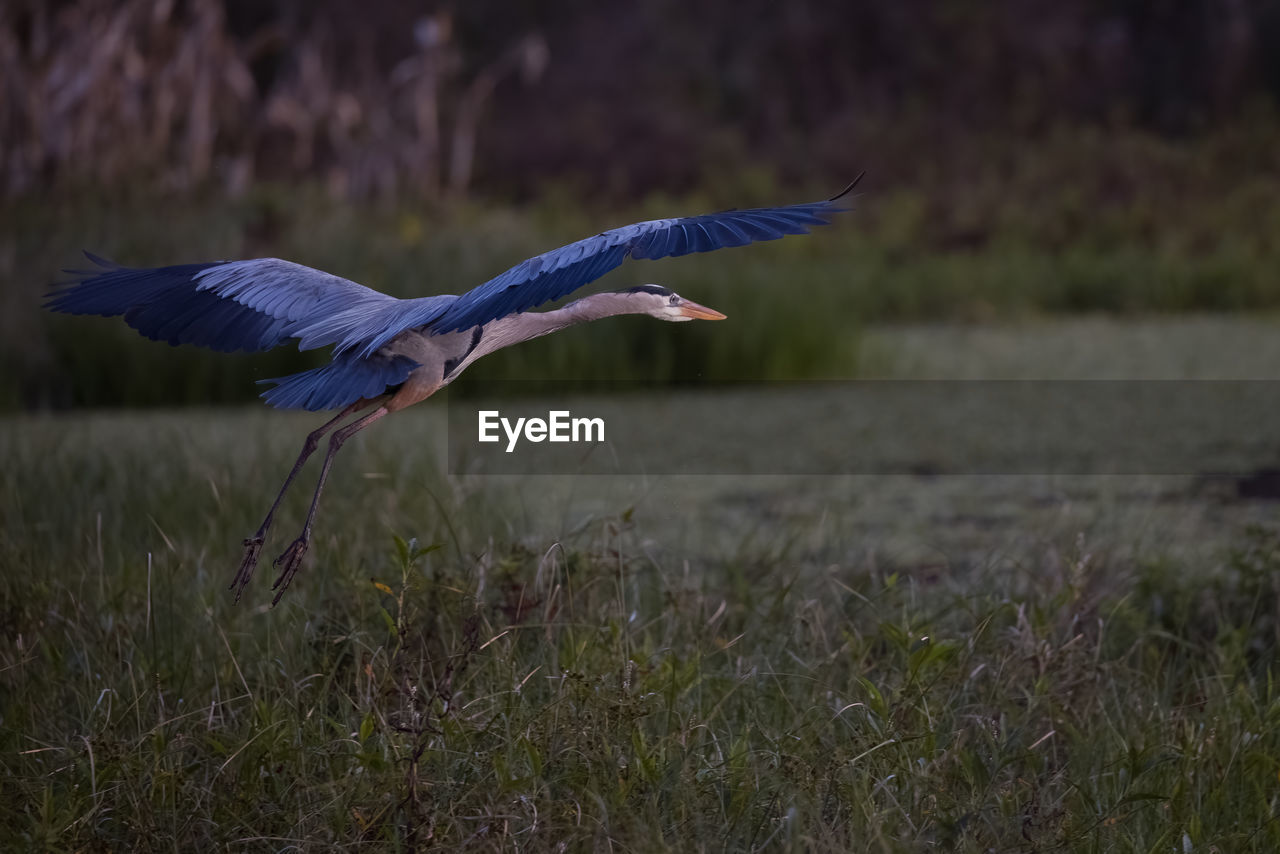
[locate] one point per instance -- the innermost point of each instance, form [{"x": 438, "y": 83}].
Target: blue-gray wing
[
  {"x": 241, "y": 305},
  {"x": 346, "y": 379},
  {"x": 561, "y": 271}
]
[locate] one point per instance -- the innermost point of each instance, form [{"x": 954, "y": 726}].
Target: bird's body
[
  {"x": 418, "y": 362},
  {"x": 390, "y": 353}
]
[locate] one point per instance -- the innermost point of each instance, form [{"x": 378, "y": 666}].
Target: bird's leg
[
  {"x": 253, "y": 545},
  {"x": 291, "y": 559}
]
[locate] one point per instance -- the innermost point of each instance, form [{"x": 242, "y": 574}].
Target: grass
[{"x": 885, "y": 664}]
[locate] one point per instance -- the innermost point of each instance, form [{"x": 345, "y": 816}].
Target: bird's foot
[
  {"x": 288, "y": 563},
  {"x": 252, "y": 548}
]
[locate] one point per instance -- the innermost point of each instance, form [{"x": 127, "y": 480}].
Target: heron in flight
[{"x": 389, "y": 353}]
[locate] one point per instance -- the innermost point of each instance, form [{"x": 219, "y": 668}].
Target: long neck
[{"x": 515, "y": 328}]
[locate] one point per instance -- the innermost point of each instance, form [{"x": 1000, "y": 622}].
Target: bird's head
[{"x": 657, "y": 301}]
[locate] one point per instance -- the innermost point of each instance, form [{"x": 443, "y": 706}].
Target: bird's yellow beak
[{"x": 699, "y": 312}]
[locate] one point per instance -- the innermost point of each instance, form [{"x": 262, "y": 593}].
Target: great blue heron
[{"x": 391, "y": 353}]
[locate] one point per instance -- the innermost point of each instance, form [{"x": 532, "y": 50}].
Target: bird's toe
[
  {"x": 252, "y": 548},
  {"x": 288, "y": 563}
]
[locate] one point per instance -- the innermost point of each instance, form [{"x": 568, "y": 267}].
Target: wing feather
[
  {"x": 343, "y": 381},
  {"x": 242, "y": 305},
  {"x": 561, "y": 271}
]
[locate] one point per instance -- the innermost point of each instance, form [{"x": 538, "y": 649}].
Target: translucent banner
[{"x": 871, "y": 427}]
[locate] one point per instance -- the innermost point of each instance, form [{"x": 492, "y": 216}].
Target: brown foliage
[
  {"x": 101, "y": 93},
  {"x": 382, "y": 98}
]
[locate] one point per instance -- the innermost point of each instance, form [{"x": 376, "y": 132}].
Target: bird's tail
[{"x": 340, "y": 383}]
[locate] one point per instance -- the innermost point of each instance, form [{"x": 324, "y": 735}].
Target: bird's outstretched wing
[
  {"x": 262, "y": 303},
  {"x": 239, "y": 305},
  {"x": 561, "y": 271}
]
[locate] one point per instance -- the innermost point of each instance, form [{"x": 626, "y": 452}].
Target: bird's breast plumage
[{"x": 439, "y": 356}]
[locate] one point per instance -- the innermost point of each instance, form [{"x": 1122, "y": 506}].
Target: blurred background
[{"x": 1029, "y": 165}]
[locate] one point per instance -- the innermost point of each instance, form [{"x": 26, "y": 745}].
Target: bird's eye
[{"x": 675, "y": 300}]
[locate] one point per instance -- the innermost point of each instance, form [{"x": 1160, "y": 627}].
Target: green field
[{"x": 886, "y": 663}]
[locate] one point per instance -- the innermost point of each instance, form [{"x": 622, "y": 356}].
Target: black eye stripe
[{"x": 650, "y": 289}]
